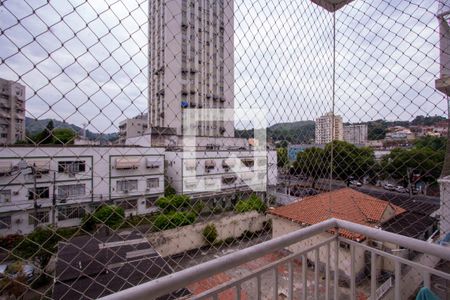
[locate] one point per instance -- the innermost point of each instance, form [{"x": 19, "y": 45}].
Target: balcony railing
[{"x": 409, "y": 275}]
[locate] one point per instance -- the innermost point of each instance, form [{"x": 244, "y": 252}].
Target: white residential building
[
  {"x": 12, "y": 112},
  {"x": 65, "y": 182},
  {"x": 328, "y": 128},
  {"x": 222, "y": 171},
  {"x": 191, "y": 63},
  {"x": 356, "y": 134},
  {"x": 134, "y": 127}
]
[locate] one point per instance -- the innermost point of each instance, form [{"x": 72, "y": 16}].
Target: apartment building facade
[
  {"x": 134, "y": 127},
  {"x": 356, "y": 134},
  {"x": 198, "y": 173},
  {"x": 329, "y": 127},
  {"x": 58, "y": 185},
  {"x": 12, "y": 112},
  {"x": 191, "y": 64}
]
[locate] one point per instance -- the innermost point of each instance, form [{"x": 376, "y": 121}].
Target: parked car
[
  {"x": 401, "y": 189},
  {"x": 389, "y": 187},
  {"x": 355, "y": 183},
  {"x": 3, "y": 268}
]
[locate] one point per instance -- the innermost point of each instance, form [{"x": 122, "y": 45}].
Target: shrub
[
  {"x": 88, "y": 222},
  {"x": 173, "y": 202},
  {"x": 250, "y": 204},
  {"x": 169, "y": 190},
  {"x": 9, "y": 242},
  {"x": 210, "y": 233},
  {"x": 198, "y": 207},
  {"x": 174, "y": 219},
  {"x": 110, "y": 215},
  {"x": 39, "y": 244}
]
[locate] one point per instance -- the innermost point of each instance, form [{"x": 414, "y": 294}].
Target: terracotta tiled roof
[{"x": 345, "y": 204}]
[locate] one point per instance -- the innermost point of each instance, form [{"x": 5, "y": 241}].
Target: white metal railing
[{"x": 173, "y": 282}]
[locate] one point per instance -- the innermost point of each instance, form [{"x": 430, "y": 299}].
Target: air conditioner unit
[
  {"x": 18, "y": 221},
  {"x": 125, "y": 191},
  {"x": 15, "y": 193}
]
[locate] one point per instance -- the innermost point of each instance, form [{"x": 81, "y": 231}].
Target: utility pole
[
  {"x": 35, "y": 197},
  {"x": 54, "y": 198},
  {"x": 408, "y": 173}
]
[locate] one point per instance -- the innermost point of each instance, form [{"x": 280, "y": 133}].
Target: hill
[{"x": 34, "y": 126}]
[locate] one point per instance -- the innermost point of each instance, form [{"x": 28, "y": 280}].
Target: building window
[
  {"x": 40, "y": 193},
  {"x": 70, "y": 212},
  {"x": 127, "y": 185},
  {"x": 127, "y": 204},
  {"x": 152, "y": 183},
  {"x": 71, "y": 190},
  {"x": 72, "y": 167},
  {"x": 5, "y": 196},
  {"x": 5, "y": 222},
  {"x": 40, "y": 217}
]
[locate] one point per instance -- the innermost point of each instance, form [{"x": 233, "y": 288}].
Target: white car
[
  {"x": 400, "y": 189},
  {"x": 389, "y": 187},
  {"x": 355, "y": 183}
]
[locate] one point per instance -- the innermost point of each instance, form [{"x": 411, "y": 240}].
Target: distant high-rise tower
[
  {"x": 328, "y": 128},
  {"x": 12, "y": 112},
  {"x": 191, "y": 63}
]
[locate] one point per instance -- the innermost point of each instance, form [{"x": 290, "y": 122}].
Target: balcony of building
[{"x": 316, "y": 266}]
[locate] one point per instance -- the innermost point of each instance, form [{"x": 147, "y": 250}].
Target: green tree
[
  {"x": 311, "y": 163},
  {"x": 431, "y": 142},
  {"x": 110, "y": 215},
  {"x": 350, "y": 160},
  {"x": 64, "y": 136},
  {"x": 46, "y": 135},
  {"x": 282, "y": 157},
  {"x": 424, "y": 161}
]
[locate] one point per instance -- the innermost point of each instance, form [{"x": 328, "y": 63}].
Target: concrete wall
[{"x": 178, "y": 240}]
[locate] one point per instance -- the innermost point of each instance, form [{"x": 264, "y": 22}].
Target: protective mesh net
[{"x": 144, "y": 137}]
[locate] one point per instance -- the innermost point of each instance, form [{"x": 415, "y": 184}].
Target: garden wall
[{"x": 178, "y": 240}]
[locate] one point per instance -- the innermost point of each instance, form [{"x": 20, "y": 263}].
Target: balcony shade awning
[
  {"x": 5, "y": 167},
  {"x": 127, "y": 163},
  {"x": 190, "y": 164},
  {"x": 228, "y": 163},
  {"x": 262, "y": 162},
  {"x": 190, "y": 183},
  {"x": 154, "y": 164},
  {"x": 39, "y": 165},
  {"x": 210, "y": 181},
  {"x": 332, "y": 5},
  {"x": 210, "y": 163},
  {"x": 246, "y": 176}
]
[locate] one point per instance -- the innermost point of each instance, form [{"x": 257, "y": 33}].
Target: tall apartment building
[
  {"x": 191, "y": 63},
  {"x": 328, "y": 128},
  {"x": 356, "y": 134},
  {"x": 12, "y": 112}
]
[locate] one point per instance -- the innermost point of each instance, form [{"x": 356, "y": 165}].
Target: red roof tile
[{"x": 345, "y": 204}]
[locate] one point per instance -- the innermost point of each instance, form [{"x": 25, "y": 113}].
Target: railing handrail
[{"x": 172, "y": 282}]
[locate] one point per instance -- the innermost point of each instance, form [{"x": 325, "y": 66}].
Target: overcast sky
[{"x": 386, "y": 59}]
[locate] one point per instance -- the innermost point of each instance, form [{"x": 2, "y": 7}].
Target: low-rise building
[
  {"x": 58, "y": 185},
  {"x": 198, "y": 173},
  {"x": 346, "y": 204},
  {"x": 134, "y": 127},
  {"x": 356, "y": 134},
  {"x": 294, "y": 150},
  {"x": 399, "y": 133}
]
